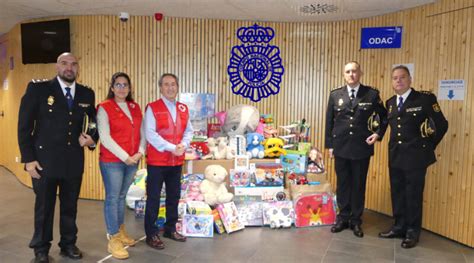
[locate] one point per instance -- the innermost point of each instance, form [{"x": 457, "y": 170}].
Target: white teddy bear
[{"x": 213, "y": 187}]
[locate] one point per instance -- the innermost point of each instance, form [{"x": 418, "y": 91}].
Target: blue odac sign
[{"x": 381, "y": 37}]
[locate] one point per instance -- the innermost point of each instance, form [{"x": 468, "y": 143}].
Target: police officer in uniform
[
  {"x": 417, "y": 126},
  {"x": 355, "y": 120},
  {"x": 51, "y": 141}
]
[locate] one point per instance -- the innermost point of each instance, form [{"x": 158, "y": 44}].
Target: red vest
[
  {"x": 168, "y": 130},
  {"x": 125, "y": 133}
]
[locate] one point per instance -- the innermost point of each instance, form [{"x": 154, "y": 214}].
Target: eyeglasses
[{"x": 121, "y": 85}]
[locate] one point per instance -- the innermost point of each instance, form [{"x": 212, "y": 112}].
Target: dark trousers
[
  {"x": 171, "y": 176},
  {"x": 45, "y": 190},
  {"x": 351, "y": 180},
  {"x": 407, "y": 199}
]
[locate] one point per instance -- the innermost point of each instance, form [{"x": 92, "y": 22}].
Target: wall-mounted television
[{"x": 43, "y": 42}]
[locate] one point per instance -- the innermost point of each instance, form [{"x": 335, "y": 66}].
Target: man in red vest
[{"x": 168, "y": 133}]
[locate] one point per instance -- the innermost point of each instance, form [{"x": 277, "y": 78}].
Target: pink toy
[{"x": 193, "y": 193}]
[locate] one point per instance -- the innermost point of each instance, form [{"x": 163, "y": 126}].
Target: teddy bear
[
  {"x": 213, "y": 186},
  {"x": 254, "y": 145},
  {"x": 193, "y": 193},
  {"x": 240, "y": 119}
]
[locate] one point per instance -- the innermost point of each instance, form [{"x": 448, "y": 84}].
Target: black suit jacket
[
  {"x": 408, "y": 149},
  {"x": 48, "y": 131},
  {"x": 347, "y": 122}
]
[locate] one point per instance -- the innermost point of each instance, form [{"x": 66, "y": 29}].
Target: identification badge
[{"x": 50, "y": 100}]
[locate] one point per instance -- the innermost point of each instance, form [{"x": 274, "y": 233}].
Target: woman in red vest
[{"x": 123, "y": 144}]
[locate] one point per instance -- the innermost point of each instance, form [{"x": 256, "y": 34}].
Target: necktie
[
  {"x": 400, "y": 103},
  {"x": 352, "y": 94},
  {"x": 69, "y": 97}
]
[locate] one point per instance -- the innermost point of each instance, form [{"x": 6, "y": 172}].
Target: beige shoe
[
  {"x": 125, "y": 238},
  {"x": 116, "y": 248}
]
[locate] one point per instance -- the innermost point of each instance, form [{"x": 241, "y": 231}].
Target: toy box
[
  {"x": 198, "y": 225},
  {"x": 198, "y": 208},
  {"x": 261, "y": 193},
  {"x": 140, "y": 208},
  {"x": 315, "y": 210},
  {"x": 294, "y": 161},
  {"x": 240, "y": 177},
  {"x": 278, "y": 214},
  {"x": 218, "y": 225},
  {"x": 230, "y": 217},
  {"x": 200, "y": 105},
  {"x": 268, "y": 174},
  {"x": 250, "y": 213}
]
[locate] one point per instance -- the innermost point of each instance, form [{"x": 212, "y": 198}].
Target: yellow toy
[{"x": 274, "y": 147}]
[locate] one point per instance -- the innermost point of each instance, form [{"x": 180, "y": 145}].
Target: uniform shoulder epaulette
[
  {"x": 87, "y": 87},
  {"x": 337, "y": 88},
  {"x": 39, "y": 80},
  {"x": 426, "y": 92},
  {"x": 373, "y": 88}
]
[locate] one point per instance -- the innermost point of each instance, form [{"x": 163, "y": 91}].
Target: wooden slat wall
[{"x": 437, "y": 38}]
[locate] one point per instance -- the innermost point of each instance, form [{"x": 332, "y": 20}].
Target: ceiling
[{"x": 15, "y": 11}]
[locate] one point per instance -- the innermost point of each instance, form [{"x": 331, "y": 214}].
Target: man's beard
[{"x": 67, "y": 79}]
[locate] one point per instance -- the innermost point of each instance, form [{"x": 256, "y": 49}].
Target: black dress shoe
[
  {"x": 175, "y": 236},
  {"x": 409, "y": 242},
  {"x": 391, "y": 234},
  {"x": 339, "y": 226},
  {"x": 71, "y": 252},
  {"x": 357, "y": 231},
  {"x": 42, "y": 257}
]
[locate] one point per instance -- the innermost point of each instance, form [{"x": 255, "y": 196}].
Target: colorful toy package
[
  {"x": 218, "y": 225},
  {"x": 278, "y": 214},
  {"x": 198, "y": 208},
  {"x": 230, "y": 217},
  {"x": 198, "y": 225},
  {"x": 240, "y": 178},
  {"x": 294, "y": 161},
  {"x": 250, "y": 213},
  {"x": 315, "y": 210},
  {"x": 268, "y": 174}
]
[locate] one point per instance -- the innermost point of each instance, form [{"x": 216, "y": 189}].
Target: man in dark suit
[
  {"x": 51, "y": 141},
  {"x": 355, "y": 120},
  {"x": 417, "y": 125}
]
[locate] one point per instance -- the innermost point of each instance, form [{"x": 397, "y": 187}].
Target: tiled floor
[{"x": 256, "y": 244}]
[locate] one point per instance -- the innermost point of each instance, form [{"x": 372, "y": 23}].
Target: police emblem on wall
[{"x": 255, "y": 68}]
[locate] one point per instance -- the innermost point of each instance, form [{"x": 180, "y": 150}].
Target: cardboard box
[
  {"x": 296, "y": 190},
  {"x": 322, "y": 177}
]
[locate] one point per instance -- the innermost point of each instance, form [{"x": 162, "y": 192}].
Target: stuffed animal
[
  {"x": 200, "y": 148},
  {"x": 193, "y": 193},
  {"x": 274, "y": 147},
  {"x": 223, "y": 150},
  {"x": 212, "y": 146},
  {"x": 254, "y": 145},
  {"x": 270, "y": 132},
  {"x": 213, "y": 187},
  {"x": 241, "y": 119}
]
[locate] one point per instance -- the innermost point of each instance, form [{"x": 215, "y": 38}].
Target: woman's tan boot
[
  {"x": 116, "y": 248},
  {"x": 125, "y": 238}
]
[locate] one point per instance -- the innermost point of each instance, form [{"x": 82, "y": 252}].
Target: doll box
[{"x": 230, "y": 217}]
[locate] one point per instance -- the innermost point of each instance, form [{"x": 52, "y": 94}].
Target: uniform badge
[
  {"x": 436, "y": 107},
  {"x": 84, "y": 105},
  {"x": 50, "y": 100},
  {"x": 390, "y": 109},
  {"x": 181, "y": 108},
  {"x": 340, "y": 102}
]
